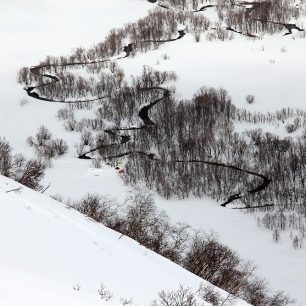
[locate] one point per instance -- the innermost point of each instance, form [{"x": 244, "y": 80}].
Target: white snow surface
[
  {"x": 273, "y": 69},
  {"x": 53, "y": 255},
  {"x": 281, "y": 265}
]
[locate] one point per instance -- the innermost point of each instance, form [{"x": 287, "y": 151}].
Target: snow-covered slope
[
  {"x": 33, "y": 29},
  {"x": 282, "y": 266},
  {"x": 52, "y": 255}
]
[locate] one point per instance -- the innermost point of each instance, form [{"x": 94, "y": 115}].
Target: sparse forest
[
  {"x": 180, "y": 148},
  {"x": 199, "y": 253}
]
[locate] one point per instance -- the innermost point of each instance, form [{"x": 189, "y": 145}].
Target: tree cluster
[
  {"x": 28, "y": 173},
  {"x": 199, "y": 253}
]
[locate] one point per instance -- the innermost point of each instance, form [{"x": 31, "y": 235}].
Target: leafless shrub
[
  {"x": 70, "y": 125},
  {"x": 76, "y": 287},
  {"x": 282, "y": 220},
  {"x": 297, "y": 242},
  {"x": 166, "y": 56},
  {"x": 197, "y": 37},
  {"x": 125, "y": 301},
  {"x": 41, "y": 138},
  {"x": 100, "y": 209},
  {"x": 223, "y": 268},
  {"x": 219, "y": 33},
  {"x": 87, "y": 138},
  {"x": 60, "y": 146},
  {"x": 280, "y": 299},
  {"x": 65, "y": 114},
  {"x": 5, "y": 157},
  {"x": 24, "y": 102},
  {"x": 58, "y": 198},
  {"x": 181, "y": 297},
  {"x": 250, "y": 99},
  {"x": 293, "y": 126},
  {"x": 276, "y": 235},
  {"x": 215, "y": 262},
  {"x": 186, "y": 297},
  {"x": 300, "y": 34},
  {"x": 80, "y": 149},
  {"x": 151, "y": 228},
  {"x": 209, "y": 294},
  {"x": 97, "y": 162},
  {"x": 45, "y": 146},
  {"x": 29, "y": 173},
  {"x": 198, "y": 25},
  {"x": 105, "y": 294}
]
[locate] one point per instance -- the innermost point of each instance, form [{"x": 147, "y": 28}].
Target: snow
[
  {"x": 31, "y": 30},
  {"x": 46, "y": 248},
  {"x": 48, "y": 251},
  {"x": 282, "y": 266},
  {"x": 222, "y": 64}
]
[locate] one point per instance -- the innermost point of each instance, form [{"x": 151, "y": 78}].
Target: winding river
[{"x": 143, "y": 115}]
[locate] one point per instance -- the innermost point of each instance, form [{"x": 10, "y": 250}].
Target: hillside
[
  {"x": 201, "y": 101},
  {"x": 52, "y": 255}
]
